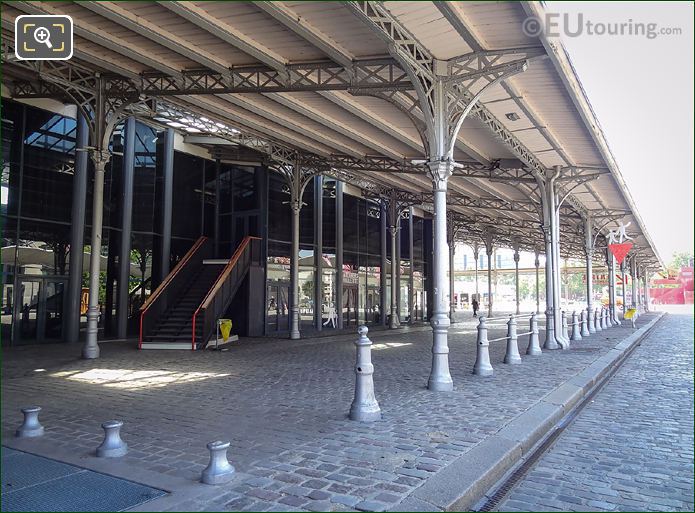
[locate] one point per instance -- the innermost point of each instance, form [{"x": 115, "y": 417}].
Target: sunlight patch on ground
[
  {"x": 389, "y": 345},
  {"x": 132, "y": 379}
]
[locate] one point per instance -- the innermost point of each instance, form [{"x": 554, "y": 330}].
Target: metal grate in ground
[{"x": 34, "y": 483}]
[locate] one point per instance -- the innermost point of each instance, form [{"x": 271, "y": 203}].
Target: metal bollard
[
  {"x": 604, "y": 319},
  {"x": 585, "y": 326},
  {"x": 512, "y": 355},
  {"x": 482, "y": 365},
  {"x": 112, "y": 446},
  {"x": 597, "y": 320},
  {"x": 576, "y": 335},
  {"x": 30, "y": 428},
  {"x": 565, "y": 329},
  {"x": 219, "y": 469},
  {"x": 534, "y": 346},
  {"x": 365, "y": 407},
  {"x": 590, "y": 320}
]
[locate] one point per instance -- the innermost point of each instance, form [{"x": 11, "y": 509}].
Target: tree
[{"x": 680, "y": 259}]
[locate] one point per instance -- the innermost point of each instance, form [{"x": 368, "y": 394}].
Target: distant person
[{"x": 475, "y": 307}]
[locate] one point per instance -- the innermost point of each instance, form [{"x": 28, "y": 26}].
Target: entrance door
[
  {"x": 277, "y": 307},
  {"x": 244, "y": 224},
  {"x": 40, "y": 307},
  {"x": 350, "y": 305}
]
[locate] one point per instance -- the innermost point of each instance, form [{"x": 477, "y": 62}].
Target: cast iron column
[
  {"x": 516, "y": 277},
  {"x": 440, "y": 378},
  {"x": 128, "y": 178},
  {"x": 633, "y": 278},
  {"x": 339, "y": 252},
  {"x": 167, "y": 202},
  {"x": 296, "y": 207},
  {"x": 537, "y": 263},
  {"x": 318, "y": 255},
  {"x": 622, "y": 270},
  {"x": 394, "y": 218},
  {"x": 476, "y": 255},
  {"x": 589, "y": 251},
  {"x": 79, "y": 201},
  {"x": 383, "y": 228},
  {"x": 488, "y": 251},
  {"x": 452, "y": 301},
  {"x": 91, "y": 347}
]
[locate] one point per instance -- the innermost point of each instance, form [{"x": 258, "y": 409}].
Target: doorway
[
  {"x": 277, "y": 307},
  {"x": 350, "y": 305},
  {"x": 39, "y": 309}
]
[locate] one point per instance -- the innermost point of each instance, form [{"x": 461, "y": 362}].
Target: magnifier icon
[{"x": 43, "y": 36}]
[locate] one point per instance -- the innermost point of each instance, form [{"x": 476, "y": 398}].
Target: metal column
[
  {"x": 216, "y": 242},
  {"x": 440, "y": 378},
  {"x": 167, "y": 202},
  {"x": 622, "y": 270},
  {"x": 339, "y": 252},
  {"x": 383, "y": 237},
  {"x": 537, "y": 263},
  {"x": 296, "y": 207},
  {"x": 128, "y": 178},
  {"x": 318, "y": 252},
  {"x": 488, "y": 251},
  {"x": 589, "y": 251},
  {"x": 394, "y": 220},
  {"x": 476, "y": 256},
  {"x": 411, "y": 252},
  {"x": 79, "y": 202},
  {"x": 91, "y": 347},
  {"x": 633, "y": 277},
  {"x": 516, "y": 277},
  {"x": 452, "y": 295}
]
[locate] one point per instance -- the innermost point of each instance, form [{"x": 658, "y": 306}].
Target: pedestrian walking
[{"x": 475, "y": 307}]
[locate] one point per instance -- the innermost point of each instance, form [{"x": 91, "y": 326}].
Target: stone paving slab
[
  {"x": 643, "y": 458},
  {"x": 283, "y": 406}
]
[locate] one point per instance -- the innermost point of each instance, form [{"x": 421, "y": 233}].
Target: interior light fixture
[{"x": 512, "y": 116}]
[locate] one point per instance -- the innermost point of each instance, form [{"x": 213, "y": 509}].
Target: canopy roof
[{"x": 306, "y": 75}]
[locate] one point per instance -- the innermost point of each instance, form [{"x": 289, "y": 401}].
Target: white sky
[{"x": 642, "y": 92}]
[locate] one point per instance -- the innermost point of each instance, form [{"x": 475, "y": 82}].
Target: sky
[{"x": 641, "y": 90}]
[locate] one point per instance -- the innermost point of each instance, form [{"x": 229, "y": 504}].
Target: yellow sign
[
  {"x": 630, "y": 313},
  {"x": 225, "y": 328}
]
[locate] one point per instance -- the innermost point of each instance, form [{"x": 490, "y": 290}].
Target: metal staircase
[{"x": 182, "y": 312}]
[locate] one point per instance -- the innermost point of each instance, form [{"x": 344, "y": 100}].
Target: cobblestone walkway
[
  {"x": 283, "y": 406},
  {"x": 631, "y": 449}
]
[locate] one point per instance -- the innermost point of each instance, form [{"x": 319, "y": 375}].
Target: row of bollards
[
  {"x": 218, "y": 471},
  {"x": 483, "y": 367}
]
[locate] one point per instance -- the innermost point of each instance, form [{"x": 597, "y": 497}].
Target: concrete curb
[{"x": 465, "y": 481}]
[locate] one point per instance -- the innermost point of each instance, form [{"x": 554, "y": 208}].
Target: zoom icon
[{"x": 44, "y": 37}]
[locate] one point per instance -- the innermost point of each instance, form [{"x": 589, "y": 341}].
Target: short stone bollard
[
  {"x": 219, "y": 470},
  {"x": 584, "y": 325},
  {"x": 30, "y": 428},
  {"x": 365, "y": 407},
  {"x": 604, "y": 319},
  {"x": 597, "y": 320},
  {"x": 112, "y": 446},
  {"x": 590, "y": 320},
  {"x": 576, "y": 335},
  {"x": 482, "y": 365},
  {"x": 512, "y": 355},
  {"x": 565, "y": 328},
  {"x": 534, "y": 345}
]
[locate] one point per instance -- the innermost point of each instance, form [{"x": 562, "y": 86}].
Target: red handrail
[
  {"x": 160, "y": 288},
  {"x": 220, "y": 280}
]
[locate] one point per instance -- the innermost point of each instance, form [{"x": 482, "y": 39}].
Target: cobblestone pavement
[
  {"x": 631, "y": 448},
  {"x": 283, "y": 406}
]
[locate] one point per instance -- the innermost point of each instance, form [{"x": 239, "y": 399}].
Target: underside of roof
[{"x": 278, "y": 73}]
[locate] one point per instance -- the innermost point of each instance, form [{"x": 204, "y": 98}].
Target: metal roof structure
[{"x": 317, "y": 83}]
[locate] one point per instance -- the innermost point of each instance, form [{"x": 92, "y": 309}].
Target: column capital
[
  {"x": 99, "y": 157},
  {"x": 440, "y": 171}
]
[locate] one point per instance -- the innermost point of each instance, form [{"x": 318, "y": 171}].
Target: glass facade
[{"x": 223, "y": 201}]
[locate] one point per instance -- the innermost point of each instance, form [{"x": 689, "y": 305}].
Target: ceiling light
[{"x": 512, "y": 116}]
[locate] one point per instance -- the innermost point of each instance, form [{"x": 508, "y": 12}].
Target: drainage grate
[
  {"x": 34, "y": 483},
  {"x": 501, "y": 493}
]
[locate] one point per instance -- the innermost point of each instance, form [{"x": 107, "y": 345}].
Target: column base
[{"x": 440, "y": 385}]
